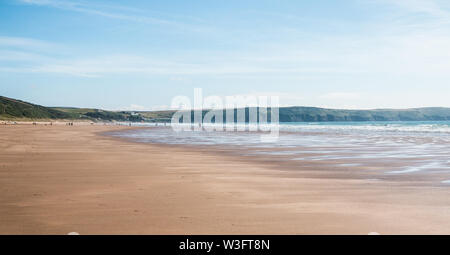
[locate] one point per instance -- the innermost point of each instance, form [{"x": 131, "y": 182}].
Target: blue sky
[{"x": 140, "y": 54}]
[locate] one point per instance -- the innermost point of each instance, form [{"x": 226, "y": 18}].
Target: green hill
[
  {"x": 100, "y": 115},
  {"x": 311, "y": 114},
  {"x": 16, "y": 109},
  {"x": 314, "y": 114},
  {"x": 12, "y": 109}
]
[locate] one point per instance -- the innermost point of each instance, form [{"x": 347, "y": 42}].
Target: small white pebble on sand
[{"x": 73, "y": 234}]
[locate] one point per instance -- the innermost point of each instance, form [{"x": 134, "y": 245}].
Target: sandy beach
[{"x": 59, "y": 179}]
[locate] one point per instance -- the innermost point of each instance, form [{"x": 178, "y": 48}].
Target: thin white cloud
[
  {"x": 21, "y": 56},
  {"x": 340, "y": 96},
  {"x": 23, "y": 42},
  {"x": 111, "y": 11},
  {"x": 134, "y": 107},
  {"x": 132, "y": 64},
  {"x": 431, "y": 7}
]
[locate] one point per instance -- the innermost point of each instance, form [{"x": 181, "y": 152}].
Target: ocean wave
[
  {"x": 407, "y": 127},
  {"x": 442, "y": 127}
]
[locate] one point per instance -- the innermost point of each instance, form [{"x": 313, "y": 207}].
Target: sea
[{"x": 390, "y": 149}]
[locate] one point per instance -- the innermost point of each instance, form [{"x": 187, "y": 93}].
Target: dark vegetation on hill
[
  {"x": 15, "y": 109},
  {"x": 299, "y": 114},
  {"x": 12, "y": 109},
  {"x": 314, "y": 114}
]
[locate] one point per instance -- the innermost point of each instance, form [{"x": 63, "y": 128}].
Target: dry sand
[{"x": 59, "y": 179}]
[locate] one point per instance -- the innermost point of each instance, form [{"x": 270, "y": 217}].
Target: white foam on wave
[
  {"x": 437, "y": 127},
  {"x": 400, "y": 126},
  {"x": 278, "y": 153},
  {"x": 429, "y": 166},
  {"x": 350, "y": 164}
]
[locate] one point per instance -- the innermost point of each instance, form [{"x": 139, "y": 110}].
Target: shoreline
[{"x": 60, "y": 179}]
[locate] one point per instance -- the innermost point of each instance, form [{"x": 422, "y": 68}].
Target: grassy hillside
[
  {"x": 100, "y": 115},
  {"x": 158, "y": 116},
  {"x": 12, "y": 109},
  {"x": 16, "y": 109},
  {"x": 301, "y": 114},
  {"x": 313, "y": 114}
]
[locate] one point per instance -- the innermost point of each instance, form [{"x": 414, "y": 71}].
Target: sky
[{"x": 139, "y": 54}]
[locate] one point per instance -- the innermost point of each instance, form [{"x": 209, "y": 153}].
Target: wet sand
[{"x": 59, "y": 179}]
